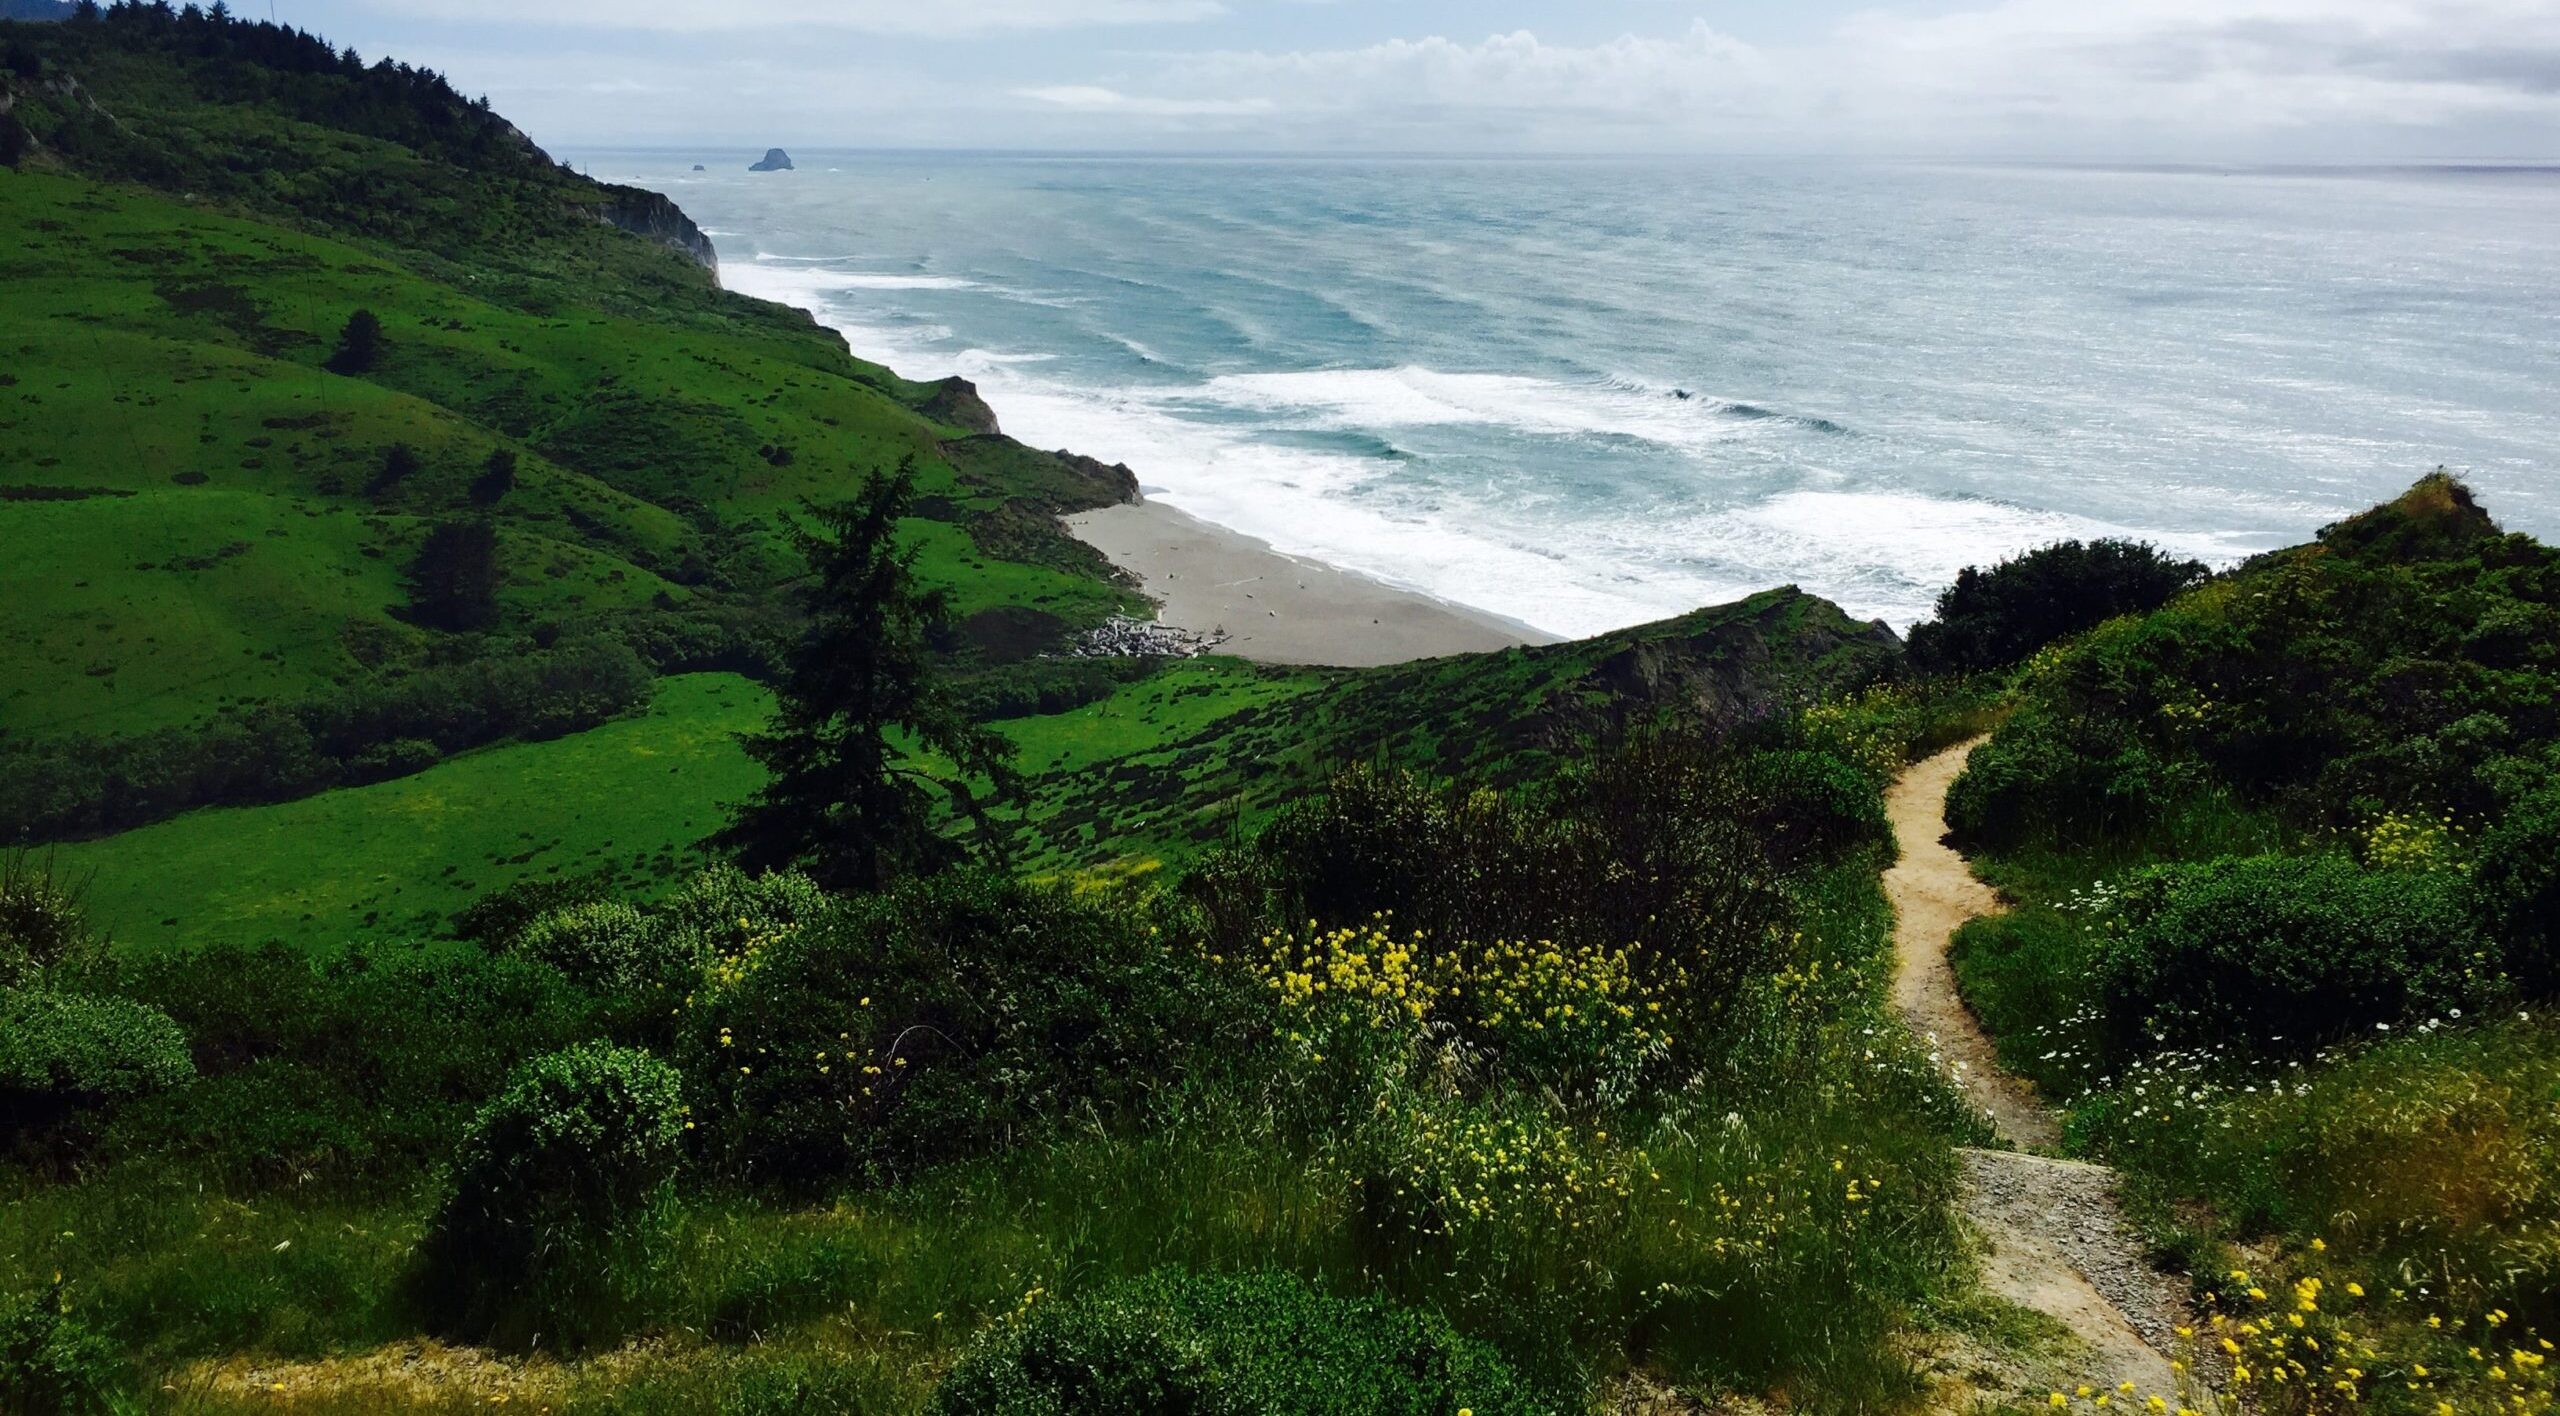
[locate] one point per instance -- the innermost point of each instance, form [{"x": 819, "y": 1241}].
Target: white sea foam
[
  {"x": 1880, "y": 554},
  {"x": 1372, "y": 399},
  {"x": 1922, "y": 541}
]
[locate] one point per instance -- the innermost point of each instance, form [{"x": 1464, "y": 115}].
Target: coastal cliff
[{"x": 652, "y": 215}]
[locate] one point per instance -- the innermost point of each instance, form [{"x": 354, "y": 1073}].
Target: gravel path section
[{"x": 2053, "y": 1232}]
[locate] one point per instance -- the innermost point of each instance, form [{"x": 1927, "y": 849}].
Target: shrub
[
  {"x": 1650, "y": 847},
  {"x": 1812, "y": 807},
  {"x": 51, "y": 1364},
  {"x": 2284, "y": 953},
  {"x": 2063, "y": 781},
  {"x": 60, "y": 1050},
  {"x": 939, "y": 1020},
  {"x": 41, "y": 922},
  {"x": 606, "y": 945},
  {"x": 1990, "y": 619},
  {"x": 499, "y": 918},
  {"x": 723, "y": 907},
  {"x": 368, "y": 1062},
  {"x": 1179, "y": 1342},
  {"x": 2516, "y": 890},
  {"x": 560, "y": 1192}
]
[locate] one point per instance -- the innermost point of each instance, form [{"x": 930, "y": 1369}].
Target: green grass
[{"x": 396, "y": 859}]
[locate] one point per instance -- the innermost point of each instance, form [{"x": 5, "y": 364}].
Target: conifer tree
[
  {"x": 453, "y": 584},
  {"x": 849, "y": 801},
  {"x": 359, "y": 345}
]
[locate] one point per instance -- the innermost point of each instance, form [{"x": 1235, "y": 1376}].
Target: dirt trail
[{"x": 2056, "y": 1241}]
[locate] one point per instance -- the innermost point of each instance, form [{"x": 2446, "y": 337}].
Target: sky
[{"x": 2115, "y": 80}]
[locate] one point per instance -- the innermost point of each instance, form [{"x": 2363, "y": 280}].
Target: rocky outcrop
[
  {"x": 1111, "y": 480},
  {"x": 1723, "y": 667},
  {"x": 955, "y": 402},
  {"x": 652, "y": 215},
  {"x": 1122, "y": 637},
  {"x": 31, "y": 108},
  {"x": 775, "y": 160}
]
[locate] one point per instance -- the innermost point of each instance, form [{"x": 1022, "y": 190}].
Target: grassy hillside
[
  {"x": 629, "y": 802},
  {"x": 2283, "y": 853},
  {"x": 220, "y": 522}
]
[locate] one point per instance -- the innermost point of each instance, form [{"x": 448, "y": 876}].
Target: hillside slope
[
  {"x": 226, "y": 518},
  {"x": 252, "y": 560}
]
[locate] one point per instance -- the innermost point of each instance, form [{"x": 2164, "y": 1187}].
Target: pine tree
[
  {"x": 359, "y": 345},
  {"x": 453, "y": 584},
  {"x": 846, "y": 800},
  {"x": 497, "y": 478}
]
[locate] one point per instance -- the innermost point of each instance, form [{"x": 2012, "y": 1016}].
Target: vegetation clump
[
  {"x": 1992, "y": 619},
  {"x": 605, "y": 945},
  {"x": 1227, "y": 1346},
  {"x": 2515, "y": 884},
  {"x": 61, "y": 1051},
  {"x": 359, "y": 344},
  {"x": 559, "y": 1203},
  {"x": 934, "y": 1022},
  {"x": 2285, "y": 953},
  {"x": 53, "y": 1364}
]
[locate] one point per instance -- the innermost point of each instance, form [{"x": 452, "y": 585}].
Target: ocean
[{"x": 1588, "y": 393}]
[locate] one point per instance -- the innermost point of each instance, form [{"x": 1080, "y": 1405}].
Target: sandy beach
[{"x": 1280, "y": 609}]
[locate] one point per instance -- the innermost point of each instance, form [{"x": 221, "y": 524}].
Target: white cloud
[
  {"x": 1085, "y": 98},
  {"x": 934, "y": 18},
  {"x": 2163, "y": 76}
]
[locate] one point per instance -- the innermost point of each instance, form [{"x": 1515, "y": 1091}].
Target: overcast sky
[{"x": 2210, "y": 80}]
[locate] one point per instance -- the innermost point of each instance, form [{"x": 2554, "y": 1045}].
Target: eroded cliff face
[
  {"x": 956, "y": 401},
  {"x": 650, "y": 214}
]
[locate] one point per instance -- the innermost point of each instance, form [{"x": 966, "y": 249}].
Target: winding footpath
[{"x": 2055, "y": 1240}]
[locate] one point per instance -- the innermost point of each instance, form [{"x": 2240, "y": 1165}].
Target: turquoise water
[{"x": 1468, "y": 376}]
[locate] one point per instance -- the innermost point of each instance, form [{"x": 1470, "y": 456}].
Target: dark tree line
[
  {"x": 64, "y": 788},
  {"x": 402, "y": 103}
]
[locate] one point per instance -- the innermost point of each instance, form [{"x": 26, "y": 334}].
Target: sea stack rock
[
  {"x": 774, "y": 161},
  {"x": 698, "y": 167}
]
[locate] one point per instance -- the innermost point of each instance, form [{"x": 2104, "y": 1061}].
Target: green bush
[
  {"x": 722, "y": 908},
  {"x": 2516, "y": 891},
  {"x": 369, "y": 1062},
  {"x": 2284, "y": 954},
  {"x": 61, "y": 1050},
  {"x": 499, "y": 918},
  {"x": 1990, "y": 619},
  {"x": 1227, "y": 1346},
  {"x": 939, "y": 1020},
  {"x": 559, "y": 1203},
  {"x": 606, "y": 946},
  {"x": 51, "y": 1364},
  {"x": 1812, "y": 807},
  {"x": 2063, "y": 781}
]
